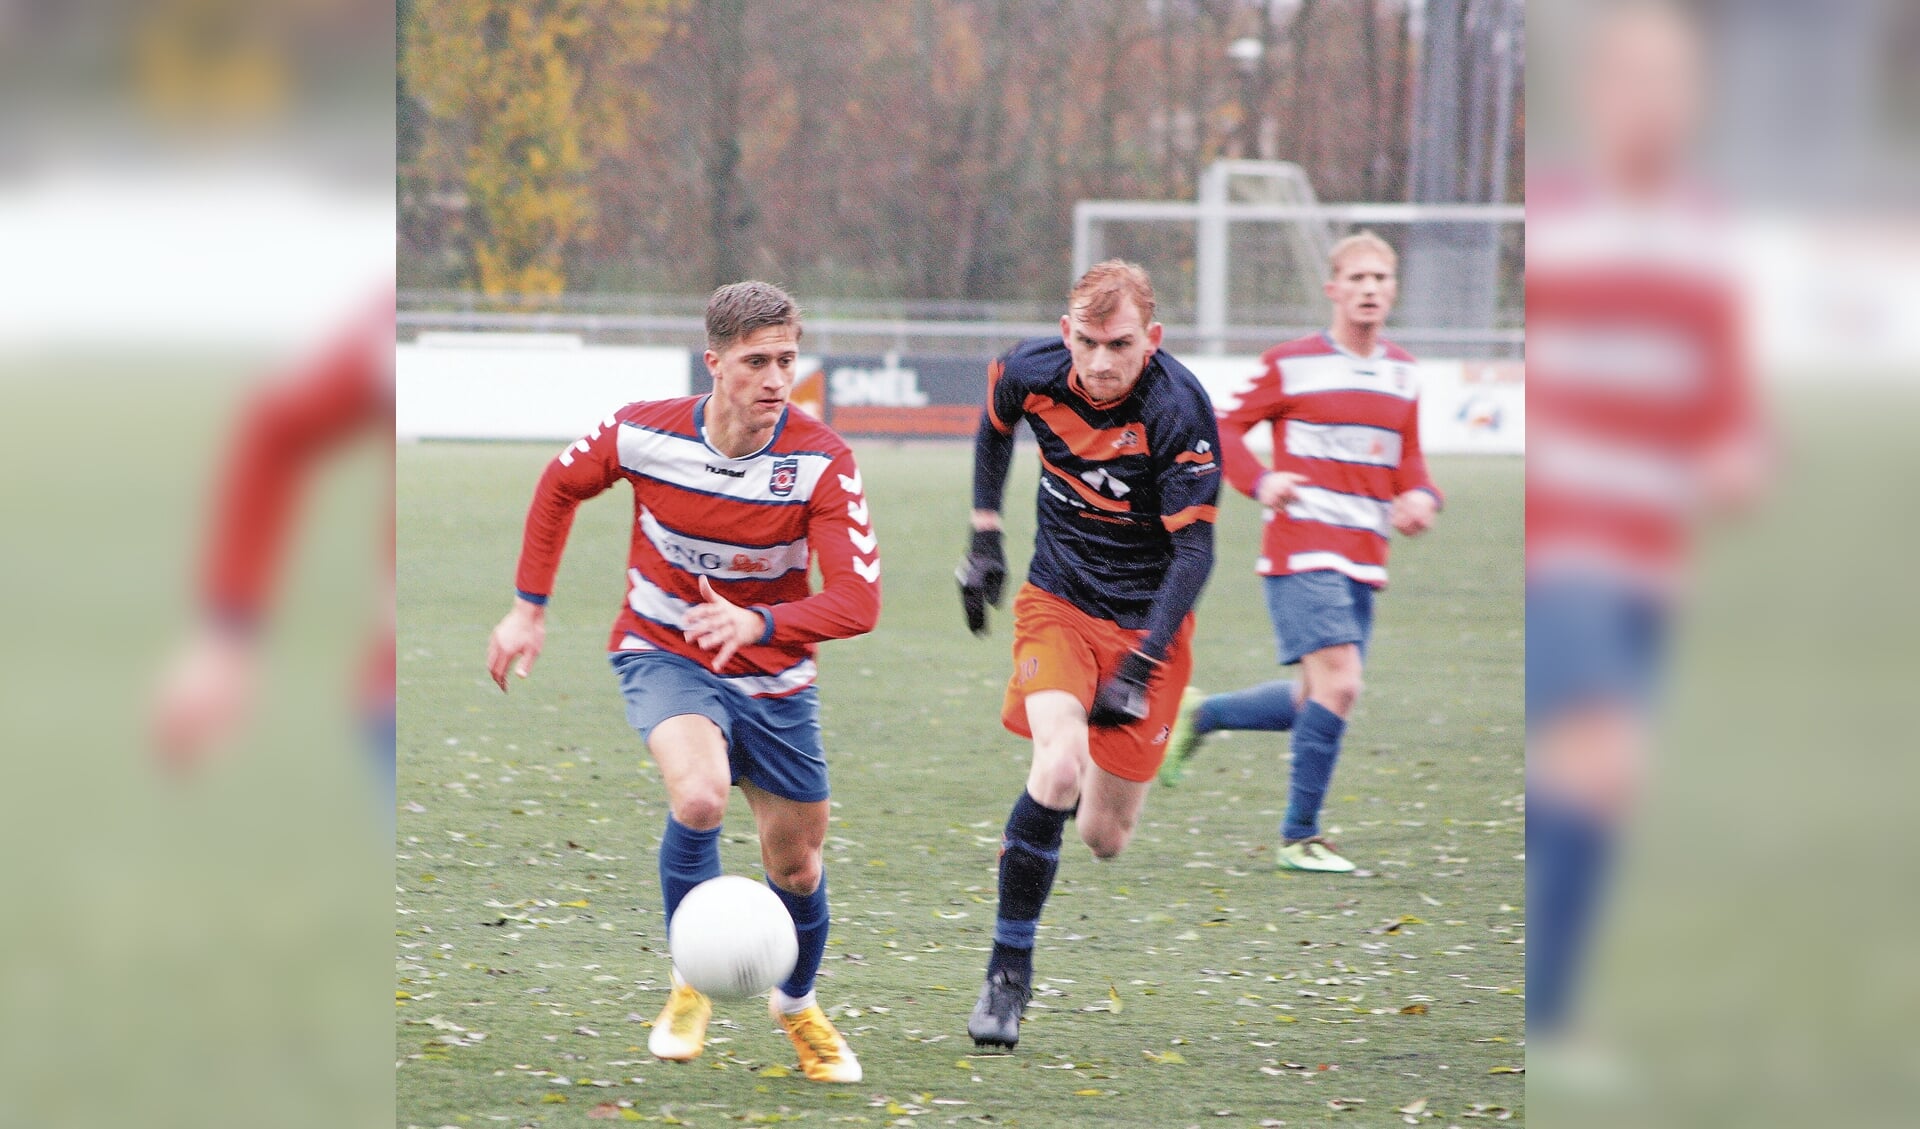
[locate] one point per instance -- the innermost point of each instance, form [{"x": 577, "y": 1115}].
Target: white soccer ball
[{"x": 732, "y": 938}]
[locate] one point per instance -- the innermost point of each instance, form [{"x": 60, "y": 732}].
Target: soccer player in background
[
  {"x": 734, "y": 493},
  {"x": 286, "y": 431},
  {"x": 1641, "y": 422},
  {"x": 1347, "y": 470},
  {"x": 1101, "y": 630}
]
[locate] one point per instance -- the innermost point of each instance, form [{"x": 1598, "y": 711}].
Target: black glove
[
  {"x": 983, "y": 577},
  {"x": 1122, "y": 699}
]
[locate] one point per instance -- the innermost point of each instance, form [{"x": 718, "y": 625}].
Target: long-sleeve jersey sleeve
[
  {"x": 1260, "y": 402},
  {"x": 841, "y": 534},
  {"x": 1412, "y": 471},
  {"x": 993, "y": 442},
  {"x": 285, "y": 429},
  {"x": 1189, "y": 486},
  {"x": 585, "y": 468}
]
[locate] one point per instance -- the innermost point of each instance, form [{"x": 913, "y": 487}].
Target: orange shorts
[{"x": 1056, "y": 646}]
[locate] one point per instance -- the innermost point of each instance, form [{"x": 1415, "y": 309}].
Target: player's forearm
[
  {"x": 1180, "y": 589},
  {"x": 285, "y": 428},
  {"x": 838, "y": 611},
  {"x": 549, "y": 521},
  {"x": 1413, "y": 476},
  {"x": 562, "y": 487},
  {"x": 992, "y": 459},
  {"x": 1238, "y": 462}
]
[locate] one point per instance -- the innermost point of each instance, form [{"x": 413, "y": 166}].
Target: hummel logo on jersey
[{"x": 730, "y": 473}]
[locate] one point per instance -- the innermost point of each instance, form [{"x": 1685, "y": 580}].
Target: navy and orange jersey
[
  {"x": 1127, "y": 488},
  {"x": 1351, "y": 426},
  {"x": 751, "y": 526}
]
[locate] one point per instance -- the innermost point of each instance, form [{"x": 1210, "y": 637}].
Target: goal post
[{"x": 1305, "y": 229}]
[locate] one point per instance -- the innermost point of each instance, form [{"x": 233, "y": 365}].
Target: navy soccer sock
[
  {"x": 383, "y": 743},
  {"x": 1568, "y": 857},
  {"x": 1316, "y": 746},
  {"x": 1268, "y": 706},
  {"x": 810, "y": 920},
  {"x": 1029, "y": 856},
  {"x": 687, "y": 858}
]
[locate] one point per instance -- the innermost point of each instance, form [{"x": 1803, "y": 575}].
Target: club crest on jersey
[
  {"x": 1130, "y": 437},
  {"x": 785, "y": 476}
]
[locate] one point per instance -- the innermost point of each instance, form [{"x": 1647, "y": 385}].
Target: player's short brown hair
[
  {"x": 1105, "y": 285},
  {"x": 739, "y": 308},
  {"x": 1363, "y": 240}
]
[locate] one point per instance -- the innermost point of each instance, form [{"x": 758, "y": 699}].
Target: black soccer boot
[{"x": 996, "y": 1016}]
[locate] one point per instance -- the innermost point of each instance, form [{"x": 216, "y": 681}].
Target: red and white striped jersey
[
  {"x": 1351, "y": 425},
  {"x": 1634, "y": 379},
  {"x": 750, "y": 525}
]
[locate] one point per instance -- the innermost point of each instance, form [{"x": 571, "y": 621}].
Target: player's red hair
[{"x": 1105, "y": 285}]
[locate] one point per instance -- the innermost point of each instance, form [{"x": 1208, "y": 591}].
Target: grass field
[
  {"x": 1185, "y": 982},
  {"x": 199, "y": 950}
]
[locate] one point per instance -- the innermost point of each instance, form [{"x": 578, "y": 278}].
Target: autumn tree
[
  {"x": 524, "y": 103},
  {"x": 902, "y": 149}
]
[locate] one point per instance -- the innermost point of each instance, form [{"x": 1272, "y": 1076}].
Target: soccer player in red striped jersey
[
  {"x": 734, "y": 495},
  {"x": 1347, "y": 471},
  {"x": 287, "y": 431},
  {"x": 1129, "y": 473},
  {"x": 1642, "y": 423}
]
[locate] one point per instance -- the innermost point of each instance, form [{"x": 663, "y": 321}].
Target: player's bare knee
[
  {"x": 796, "y": 874},
  {"x": 700, "y": 807},
  {"x": 1339, "y": 693},
  {"x": 1055, "y": 781},
  {"x": 1105, "y": 840}
]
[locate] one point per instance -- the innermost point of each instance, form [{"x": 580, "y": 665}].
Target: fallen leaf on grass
[
  {"x": 1508, "y": 1070},
  {"x": 1415, "y": 1107},
  {"x": 1339, "y": 1104},
  {"x": 1168, "y": 1058},
  {"x": 1414, "y": 1009},
  {"x": 1088, "y": 1093},
  {"x": 553, "y": 1099},
  {"x": 605, "y": 1111},
  {"x": 773, "y": 1071}
]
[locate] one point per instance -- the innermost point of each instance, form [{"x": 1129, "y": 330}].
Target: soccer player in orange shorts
[{"x": 1129, "y": 476}]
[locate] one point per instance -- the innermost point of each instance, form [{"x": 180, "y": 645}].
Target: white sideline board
[
  {"x": 554, "y": 387},
  {"x": 524, "y": 385}
]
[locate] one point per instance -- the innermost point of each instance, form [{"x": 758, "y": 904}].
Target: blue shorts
[
  {"x": 773, "y": 742},
  {"x": 1312, "y": 611},
  {"x": 1592, "y": 643}
]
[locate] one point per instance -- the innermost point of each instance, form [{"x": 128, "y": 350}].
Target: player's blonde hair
[
  {"x": 1105, "y": 285},
  {"x": 739, "y": 308},
  {"x": 1363, "y": 240}
]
